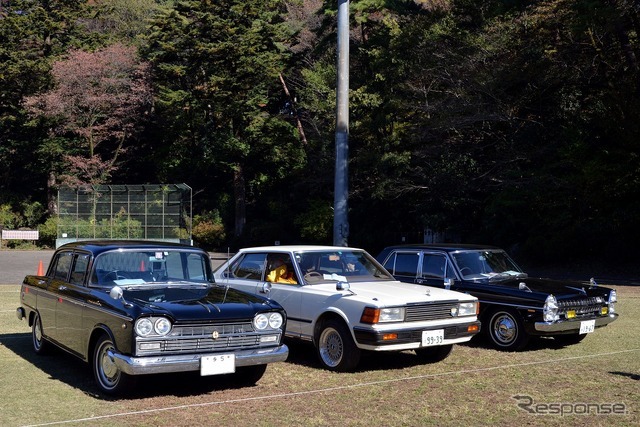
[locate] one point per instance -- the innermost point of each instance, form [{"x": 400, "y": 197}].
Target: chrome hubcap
[
  {"x": 331, "y": 347},
  {"x": 505, "y": 329}
]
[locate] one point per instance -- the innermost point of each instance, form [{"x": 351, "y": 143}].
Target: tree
[
  {"x": 98, "y": 100},
  {"x": 217, "y": 65}
]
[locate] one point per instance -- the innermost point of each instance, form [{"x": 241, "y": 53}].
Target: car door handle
[{"x": 62, "y": 288}]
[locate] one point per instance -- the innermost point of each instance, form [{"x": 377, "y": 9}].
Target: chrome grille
[
  {"x": 429, "y": 311},
  {"x": 582, "y": 306},
  {"x": 199, "y": 338}
]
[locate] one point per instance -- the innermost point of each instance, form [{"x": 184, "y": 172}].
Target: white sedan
[{"x": 344, "y": 301}]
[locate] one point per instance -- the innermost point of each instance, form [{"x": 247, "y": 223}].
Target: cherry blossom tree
[{"x": 97, "y": 102}]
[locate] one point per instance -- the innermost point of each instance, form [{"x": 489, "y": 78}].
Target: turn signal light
[
  {"x": 472, "y": 328},
  {"x": 370, "y": 315}
]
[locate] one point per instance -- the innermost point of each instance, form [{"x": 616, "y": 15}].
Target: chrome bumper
[
  {"x": 572, "y": 325},
  {"x": 191, "y": 362}
]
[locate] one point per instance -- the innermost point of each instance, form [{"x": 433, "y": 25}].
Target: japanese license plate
[
  {"x": 218, "y": 364},
  {"x": 587, "y": 326},
  {"x": 432, "y": 337}
]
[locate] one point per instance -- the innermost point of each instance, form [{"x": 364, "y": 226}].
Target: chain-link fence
[{"x": 147, "y": 212}]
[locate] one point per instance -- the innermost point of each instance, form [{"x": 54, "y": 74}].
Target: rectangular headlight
[
  {"x": 468, "y": 309},
  {"x": 381, "y": 315}
]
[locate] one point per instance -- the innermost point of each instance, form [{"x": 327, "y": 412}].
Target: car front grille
[
  {"x": 429, "y": 311},
  {"x": 583, "y": 307},
  {"x": 205, "y": 338}
]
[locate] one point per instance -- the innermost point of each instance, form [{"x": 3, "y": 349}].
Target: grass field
[{"x": 474, "y": 386}]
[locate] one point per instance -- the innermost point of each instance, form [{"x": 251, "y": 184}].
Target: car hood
[
  {"x": 395, "y": 293},
  {"x": 561, "y": 289},
  {"x": 188, "y": 304}
]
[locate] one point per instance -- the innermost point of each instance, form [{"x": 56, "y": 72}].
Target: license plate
[
  {"x": 587, "y": 326},
  {"x": 430, "y": 338},
  {"x": 218, "y": 364}
]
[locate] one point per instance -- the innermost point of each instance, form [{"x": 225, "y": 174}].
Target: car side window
[
  {"x": 433, "y": 266},
  {"x": 250, "y": 267},
  {"x": 63, "y": 265},
  {"x": 79, "y": 270},
  {"x": 403, "y": 264}
]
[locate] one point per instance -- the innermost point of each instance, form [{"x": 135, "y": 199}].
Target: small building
[{"x": 125, "y": 212}]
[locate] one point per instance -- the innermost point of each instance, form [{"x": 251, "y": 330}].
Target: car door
[
  {"x": 403, "y": 265},
  {"x": 48, "y": 300},
  {"x": 249, "y": 274},
  {"x": 435, "y": 267},
  {"x": 72, "y": 296}
]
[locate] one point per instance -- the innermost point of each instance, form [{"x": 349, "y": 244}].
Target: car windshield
[
  {"x": 342, "y": 265},
  {"x": 483, "y": 264},
  {"x": 149, "y": 267}
]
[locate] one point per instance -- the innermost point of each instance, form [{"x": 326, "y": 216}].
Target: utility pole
[{"x": 341, "y": 181}]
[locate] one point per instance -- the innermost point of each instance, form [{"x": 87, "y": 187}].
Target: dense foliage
[{"x": 511, "y": 123}]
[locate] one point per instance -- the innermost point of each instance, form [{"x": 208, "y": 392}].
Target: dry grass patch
[{"x": 474, "y": 386}]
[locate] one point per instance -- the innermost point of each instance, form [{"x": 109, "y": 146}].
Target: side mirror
[
  {"x": 448, "y": 282},
  {"x": 266, "y": 288},
  {"x": 343, "y": 286},
  {"x": 116, "y": 293}
]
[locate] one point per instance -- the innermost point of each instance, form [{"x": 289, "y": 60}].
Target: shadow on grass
[
  {"x": 304, "y": 354},
  {"x": 66, "y": 368},
  {"x": 635, "y": 377}
]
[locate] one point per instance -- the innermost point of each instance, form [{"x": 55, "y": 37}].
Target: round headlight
[
  {"x": 144, "y": 327},
  {"x": 260, "y": 321},
  {"x": 162, "y": 326},
  {"x": 275, "y": 320}
]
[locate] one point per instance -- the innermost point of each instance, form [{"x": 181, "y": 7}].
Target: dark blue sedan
[{"x": 513, "y": 306}]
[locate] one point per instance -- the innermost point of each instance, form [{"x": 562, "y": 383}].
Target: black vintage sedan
[
  {"x": 513, "y": 306},
  {"x": 132, "y": 308}
]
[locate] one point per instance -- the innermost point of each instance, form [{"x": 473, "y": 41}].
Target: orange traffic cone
[{"x": 40, "y": 269}]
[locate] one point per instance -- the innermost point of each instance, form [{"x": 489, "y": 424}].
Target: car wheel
[
  {"x": 506, "y": 331},
  {"x": 569, "y": 339},
  {"x": 249, "y": 375},
  {"x": 40, "y": 345},
  {"x": 336, "y": 349},
  {"x": 109, "y": 378},
  {"x": 434, "y": 354}
]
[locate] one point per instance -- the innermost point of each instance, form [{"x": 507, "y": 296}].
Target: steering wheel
[
  {"x": 312, "y": 275},
  {"x": 462, "y": 270},
  {"x": 115, "y": 275}
]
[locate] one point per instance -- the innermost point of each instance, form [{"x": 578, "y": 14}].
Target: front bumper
[
  {"x": 411, "y": 338},
  {"x": 571, "y": 325},
  {"x": 191, "y": 362}
]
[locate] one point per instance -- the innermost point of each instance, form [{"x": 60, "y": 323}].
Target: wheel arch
[
  {"x": 329, "y": 315},
  {"x": 98, "y": 331}
]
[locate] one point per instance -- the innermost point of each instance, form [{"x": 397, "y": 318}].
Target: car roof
[
  {"x": 98, "y": 246},
  {"x": 449, "y": 247},
  {"x": 297, "y": 248},
  {"x": 444, "y": 247}
]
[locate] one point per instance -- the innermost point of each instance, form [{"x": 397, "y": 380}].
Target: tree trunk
[
  {"x": 52, "y": 196},
  {"x": 240, "y": 196}
]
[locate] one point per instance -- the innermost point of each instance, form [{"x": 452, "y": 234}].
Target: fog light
[
  {"x": 150, "y": 346},
  {"x": 269, "y": 338},
  {"x": 604, "y": 311},
  {"x": 571, "y": 314}
]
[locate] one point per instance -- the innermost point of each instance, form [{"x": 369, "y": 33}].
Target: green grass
[{"x": 474, "y": 386}]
